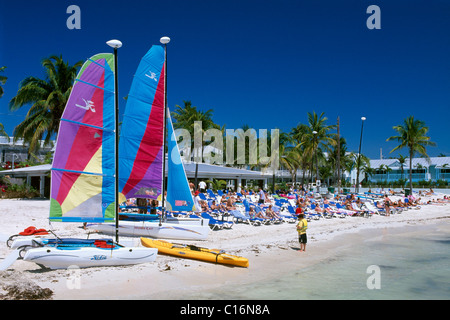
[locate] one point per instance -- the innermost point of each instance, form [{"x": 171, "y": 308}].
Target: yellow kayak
[{"x": 193, "y": 252}]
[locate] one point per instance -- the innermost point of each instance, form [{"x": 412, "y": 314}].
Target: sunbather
[
  {"x": 272, "y": 214},
  {"x": 230, "y": 204}
]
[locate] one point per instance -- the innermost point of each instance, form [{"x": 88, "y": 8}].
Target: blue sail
[{"x": 179, "y": 196}]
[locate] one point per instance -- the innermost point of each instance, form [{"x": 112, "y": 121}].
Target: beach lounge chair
[
  {"x": 311, "y": 213},
  {"x": 211, "y": 194},
  {"x": 344, "y": 210},
  {"x": 359, "y": 211},
  {"x": 216, "y": 224},
  {"x": 259, "y": 209},
  {"x": 380, "y": 210},
  {"x": 241, "y": 217},
  {"x": 372, "y": 208},
  {"x": 285, "y": 216}
]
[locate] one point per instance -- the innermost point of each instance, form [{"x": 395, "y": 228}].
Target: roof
[
  {"x": 34, "y": 170},
  {"x": 216, "y": 171},
  {"x": 439, "y": 162},
  {"x": 204, "y": 170}
]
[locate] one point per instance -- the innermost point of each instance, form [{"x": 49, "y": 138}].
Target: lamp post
[
  {"x": 315, "y": 155},
  {"x": 12, "y": 163},
  {"x": 164, "y": 41},
  {"x": 116, "y": 44},
  {"x": 359, "y": 156}
]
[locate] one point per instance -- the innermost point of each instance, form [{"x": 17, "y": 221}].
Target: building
[
  {"x": 12, "y": 153},
  {"x": 39, "y": 176},
  {"x": 432, "y": 169}
]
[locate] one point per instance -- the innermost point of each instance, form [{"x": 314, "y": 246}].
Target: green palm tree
[
  {"x": 290, "y": 156},
  {"x": 402, "y": 160},
  {"x": 412, "y": 134},
  {"x": 186, "y": 115},
  {"x": 2, "y": 81},
  {"x": 47, "y": 98},
  {"x": 317, "y": 134}
]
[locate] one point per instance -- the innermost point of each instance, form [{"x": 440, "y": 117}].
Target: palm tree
[
  {"x": 186, "y": 115},
  {"x": 290, "y": 156},
  {"x": 48, "y": 99},
  {"x": 317, "y": 134},
  {"x": 412, "y": 134},
  {"x": 303, "y": 149},
  {"x": 402, "y": 160},
  {"x": 2, "y": 81}
]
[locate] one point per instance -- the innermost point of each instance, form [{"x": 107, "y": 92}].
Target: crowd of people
[{"x": 287, "y": 206}]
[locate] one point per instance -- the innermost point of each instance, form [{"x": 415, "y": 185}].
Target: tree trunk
[{"x": 410, "y": 170}]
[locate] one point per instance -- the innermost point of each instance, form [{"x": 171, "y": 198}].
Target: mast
[
  {"x": 116, "y": 44},
  {"x": 338, "y": 157},
  {"x": 164, "y": 41}
]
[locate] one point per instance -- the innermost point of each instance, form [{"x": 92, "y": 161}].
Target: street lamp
[
  {"x": 116, "y": 44},
  {"x": 315, "y": 155},
  {"x": 164, "y": 41},
  {"x": 359, "y": 156}
]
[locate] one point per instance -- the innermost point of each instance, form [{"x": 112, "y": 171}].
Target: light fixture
[
  {"x": 165, "y": 40},
  {"x": 116, "y": 44}
]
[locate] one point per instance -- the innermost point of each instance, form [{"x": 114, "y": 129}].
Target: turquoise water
[{"x": 411, "y": 263}]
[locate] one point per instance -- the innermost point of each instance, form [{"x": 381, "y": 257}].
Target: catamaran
[
  {"x": 84, "y": 175},
  {"x": 142, "y": 165}
]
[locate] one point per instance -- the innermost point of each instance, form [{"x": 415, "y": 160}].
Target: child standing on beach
[{"x": 302, "y": 225}]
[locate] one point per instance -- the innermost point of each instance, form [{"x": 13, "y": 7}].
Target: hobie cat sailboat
[
  {"x": 141, "y": 158},
  {"x": 84, "y": 175}
]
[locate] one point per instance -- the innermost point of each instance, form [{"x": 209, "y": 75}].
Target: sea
[{"x": 405, "y": 263}]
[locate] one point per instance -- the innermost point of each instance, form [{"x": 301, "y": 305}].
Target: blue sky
[{"x": 258, "y": 62}]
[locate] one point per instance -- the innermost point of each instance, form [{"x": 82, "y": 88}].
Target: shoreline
[{"x": 271, "y": 250}]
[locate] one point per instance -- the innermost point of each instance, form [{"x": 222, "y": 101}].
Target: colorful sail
[
  {"x": 82, "y": 187},
  {"x": 179, "y": 196},
  {"x": 142, "y": 132}
]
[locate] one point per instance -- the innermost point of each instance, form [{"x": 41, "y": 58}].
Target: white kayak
[
  {"x": 196, "y": 230},
  {"x": 82, "y": 253}
]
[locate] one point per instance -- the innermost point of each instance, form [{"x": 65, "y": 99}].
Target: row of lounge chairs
[
  {"x": 247, "y": 210},
  {"x": 285, "y": 210}
]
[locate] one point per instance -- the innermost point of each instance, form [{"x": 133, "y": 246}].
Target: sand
[{"x": 268, "y": 248}]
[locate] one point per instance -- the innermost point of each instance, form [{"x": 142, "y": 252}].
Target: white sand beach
[{"x": 268, "y": 248}]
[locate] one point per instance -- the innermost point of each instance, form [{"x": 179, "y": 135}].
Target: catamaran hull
[
  {"x": 85, "y": 257},
  {"x": 155, "y": 230}
]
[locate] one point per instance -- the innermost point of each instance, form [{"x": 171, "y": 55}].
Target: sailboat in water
[
  {"x": 141, "y": 159},
  {"x": 84, "y": 176}
]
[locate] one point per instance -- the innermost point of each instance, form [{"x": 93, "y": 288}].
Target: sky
[{"x": 261, "y": 63}]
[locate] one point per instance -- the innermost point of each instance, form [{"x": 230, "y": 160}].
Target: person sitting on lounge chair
[
  {"x": 272, "y": 214},
  {"x": 204, "y": 206},
  {"x": 230, "y": 204},
  {"x": 215, "y": 206}
]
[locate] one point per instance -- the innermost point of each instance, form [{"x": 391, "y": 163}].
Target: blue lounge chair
[{"x": 216, "y": 224}]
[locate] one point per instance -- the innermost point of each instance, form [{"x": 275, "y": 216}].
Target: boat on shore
[{"x": 196, "y": 253}]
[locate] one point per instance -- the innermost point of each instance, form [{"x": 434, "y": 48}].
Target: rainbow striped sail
[
  {"x": 142, "y": 133},
  {"x": 82, "y": 177}
]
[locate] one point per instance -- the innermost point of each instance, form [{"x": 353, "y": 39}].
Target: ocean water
[{"x": 405, "y": 263}]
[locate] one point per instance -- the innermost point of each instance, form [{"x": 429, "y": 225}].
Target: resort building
[
  {"x": 432, "y": 169},
  {"x": 12, "y": 153}
]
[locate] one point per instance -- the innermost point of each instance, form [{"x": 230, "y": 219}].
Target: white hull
[
  {"x": 84, "y": 257},
  {"x": 176, "y": 231}
]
